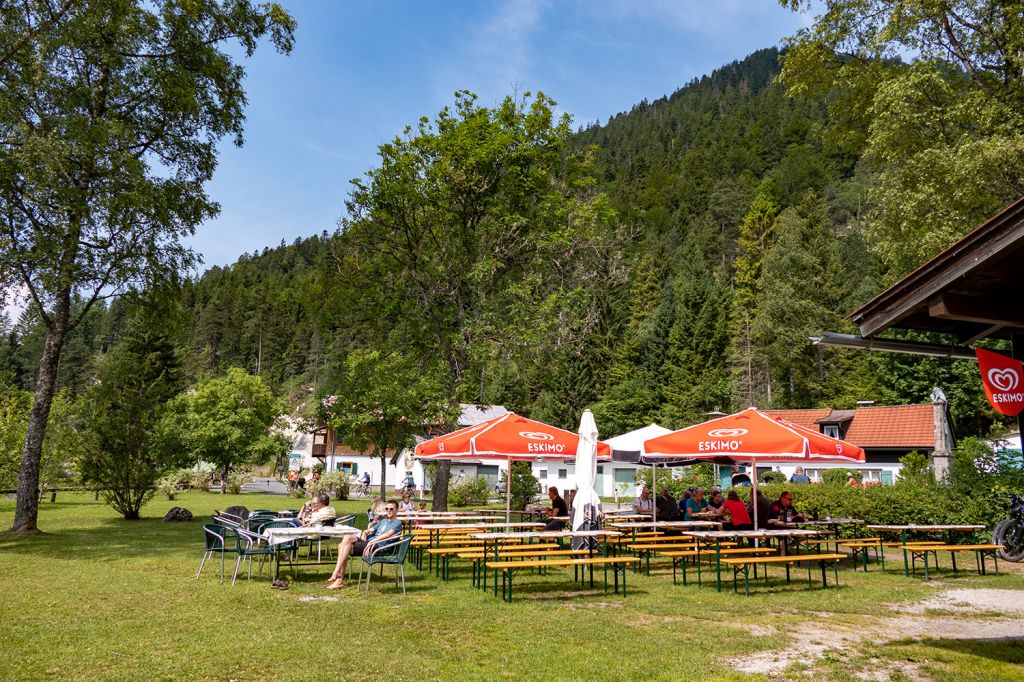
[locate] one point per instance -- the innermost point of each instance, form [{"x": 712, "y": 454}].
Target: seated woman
[
  {"x": 407, "y": 504},
  {"x": 739, "y": 517},
  {"x": 717, "y": 499},
  {"x": 696, "y": 504}
]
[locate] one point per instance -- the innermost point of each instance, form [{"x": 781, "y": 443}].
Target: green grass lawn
[{"x": 97, "y": 597}]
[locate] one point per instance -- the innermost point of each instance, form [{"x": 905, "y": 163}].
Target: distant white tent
[{"x": 633, "y": 441}]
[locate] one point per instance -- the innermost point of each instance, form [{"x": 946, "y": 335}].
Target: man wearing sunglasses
[{"x": 354, "y": 545}]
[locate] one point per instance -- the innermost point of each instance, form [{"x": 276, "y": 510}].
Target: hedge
[{"x": 893, "y": 504}]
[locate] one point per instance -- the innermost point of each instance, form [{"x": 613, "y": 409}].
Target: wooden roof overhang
[{"x": 973, "y": 290}]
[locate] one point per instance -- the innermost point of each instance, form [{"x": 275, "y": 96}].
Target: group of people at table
[{"x": 726, "y": 508}]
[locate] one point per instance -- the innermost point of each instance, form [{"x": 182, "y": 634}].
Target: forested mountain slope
[{"x": 741, "y": 239}]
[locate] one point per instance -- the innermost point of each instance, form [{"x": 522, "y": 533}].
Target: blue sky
[{"x": 362, "y": 70}]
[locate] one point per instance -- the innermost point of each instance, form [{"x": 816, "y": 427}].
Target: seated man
[
  {"x": 642, "y": 504},
  {"x": 558, "y": 508},
  {"x": 783, "y": 510},
  {"x": 668, "y": 509},
  {"x": 320, "y": 511},
  {"x": 696, "y": 504},
  {"x": 354, "y": 545}
]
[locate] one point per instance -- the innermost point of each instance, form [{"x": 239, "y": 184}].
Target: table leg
[
  {"x": 903, "y": 541},
  {"x": 718, "y": 561}
]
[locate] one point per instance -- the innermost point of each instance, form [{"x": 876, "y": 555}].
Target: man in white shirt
[
  {"x": 321, "y": 511},
  {"x": 642, "y": 504}
]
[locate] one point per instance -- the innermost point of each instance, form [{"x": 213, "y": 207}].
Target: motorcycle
[{"x": 1010, "y": 532}]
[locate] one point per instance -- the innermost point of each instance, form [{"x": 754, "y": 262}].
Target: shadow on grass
[
  {"x": 112, "y": 540},
  {"x": 1003, "y": 649}
]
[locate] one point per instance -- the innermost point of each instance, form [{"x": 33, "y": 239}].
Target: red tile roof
[{"x": 883, "y": 426}]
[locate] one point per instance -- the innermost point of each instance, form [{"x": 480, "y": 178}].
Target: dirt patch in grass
[{"x": 810, "y": 641}]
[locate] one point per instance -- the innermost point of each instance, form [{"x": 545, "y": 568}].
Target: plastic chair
[
  {"x": 228, "y": 519},
  {"x": 257, "y": 523},
  {"x": 389, "y": 552},
  {"x": 216, "y": 542},
  {"x": 254, "y": 545},
  {"x": 290, "y": 548}
]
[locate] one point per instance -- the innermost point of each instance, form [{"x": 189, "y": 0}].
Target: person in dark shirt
[
  {"x": 558, "y": 508},
  {"x": 783, "y": 510},
  {"x": 716, "y": 500},
  {"x": 764, "y": 507},
  {"x": 668, "y": 508}
]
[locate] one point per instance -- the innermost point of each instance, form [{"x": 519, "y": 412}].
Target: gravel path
[{"x": 1004, "y": 619}]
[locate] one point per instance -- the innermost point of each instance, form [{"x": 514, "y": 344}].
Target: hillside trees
[{"x": 110, "y": 113}]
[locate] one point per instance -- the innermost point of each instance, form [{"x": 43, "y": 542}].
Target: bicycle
[
  {"x": 1010, "y": 532},
  {"x": 363, "y": 489}
]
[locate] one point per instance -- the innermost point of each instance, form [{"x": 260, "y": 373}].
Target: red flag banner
[{"x": 1004, "y": 381}]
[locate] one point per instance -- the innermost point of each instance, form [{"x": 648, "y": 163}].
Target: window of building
[
  {"x": 600, "y": 470},
  {"x": 350, "y": 468},
  {"x": 831, "y": 430},
  {"x": 543, "y": 473},
  {"x": 563, "y": 473}
]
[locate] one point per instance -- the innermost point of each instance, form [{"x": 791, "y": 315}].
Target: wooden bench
[
  {"x": 679, "y": 559},
  {"x": 444, "y": 554},
  {"x": 509, "y": 568},
  {"x": 859, "y": 548},
  {"x": 481, "y": 560},
  {"x": 743, "y": 564},
  {"x": 921, "y": 551}
]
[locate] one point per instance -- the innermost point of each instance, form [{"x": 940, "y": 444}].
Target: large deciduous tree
[
  {"x": 228, "y": 421},
  {"x": 935, "y": 92},
  {"x": 477, "y": 243},
  {"x": 110, "y": 112},
  {"x": 382, "y": 402}
]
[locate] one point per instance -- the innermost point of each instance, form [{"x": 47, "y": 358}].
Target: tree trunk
[
  {"x": 440, "y": 503},
  {"x": 384, "y": 477},
  {"x": 26, "y": 513}
]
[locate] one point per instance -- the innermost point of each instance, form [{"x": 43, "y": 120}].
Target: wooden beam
[
  {"x": 984, "y": 333},
  {"x": 1003, "y": 312}
]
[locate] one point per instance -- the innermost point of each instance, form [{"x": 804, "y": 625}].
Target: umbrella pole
[
  {"x": 654, "y": 494},
  {"x": 753, "y": 493},
  {"x": 508, "y": 492}
]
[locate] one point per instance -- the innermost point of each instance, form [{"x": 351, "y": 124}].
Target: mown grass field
[{"x": 97, "y": 597}]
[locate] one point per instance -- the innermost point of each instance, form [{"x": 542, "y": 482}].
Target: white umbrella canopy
[
  {"x": 586, "y": 474},
  {"x": 633, "y": 441}
]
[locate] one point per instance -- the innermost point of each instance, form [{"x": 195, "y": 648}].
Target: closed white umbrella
[{"x": 587, "y": 503}]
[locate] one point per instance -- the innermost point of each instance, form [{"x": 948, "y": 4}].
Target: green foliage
[
  {"x": 773, "y": 477},
  {"x": 103, "y": 163},
  {"x": 227, "y": 421},
  {"x": 237, "y": 477},
  {"x": 916, "y": 469},
  {"x": 335, "y": 483},
  {"x": 947, "y": 125},
  {"x": 472, "y": 491},
  {"x": 524, "y": 485},
  {"x": 893, "y": 504},
  {"x": 381, "y": 402},
  {"x": 169, "y": 485},
  {"x": 840, "y": 476},
  {"x": 679, "y": 479},
  {"x": 125, "y": 449}
]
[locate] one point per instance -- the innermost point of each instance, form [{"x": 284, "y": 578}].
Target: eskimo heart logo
[
  {"x": 536, "y": 435},
  {"x": 1003, "y": 379},
  {"x": 727, "y": 433}
]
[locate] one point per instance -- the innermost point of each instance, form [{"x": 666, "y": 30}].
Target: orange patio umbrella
[
  {"x": 751, "y": 435},
  {"x": 510, "y": 437}
]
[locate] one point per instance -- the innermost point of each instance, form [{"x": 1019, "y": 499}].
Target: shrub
[
  {"x": 169, "y": 485},
  {"x": 915, "y": 469},
  {"x": 773, "y": 477},
  {"x": 892, "y": 504},
  {"x": 236, "y": 479},
  {"x": 199, "y": 479},
  {"x": 524, "y": 485},
  {"x": 469, "y": 491},
  {"x": 335, "y": 484},
  {"x": 838, "y": 476}
]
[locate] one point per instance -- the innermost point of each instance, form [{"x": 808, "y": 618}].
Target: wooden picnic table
[
  {"x": 719, "y": 535},
  {"x": 634, "y": 526},
  {"x": 491, "y": 540},
  {"x": 903, "y": 530}
]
